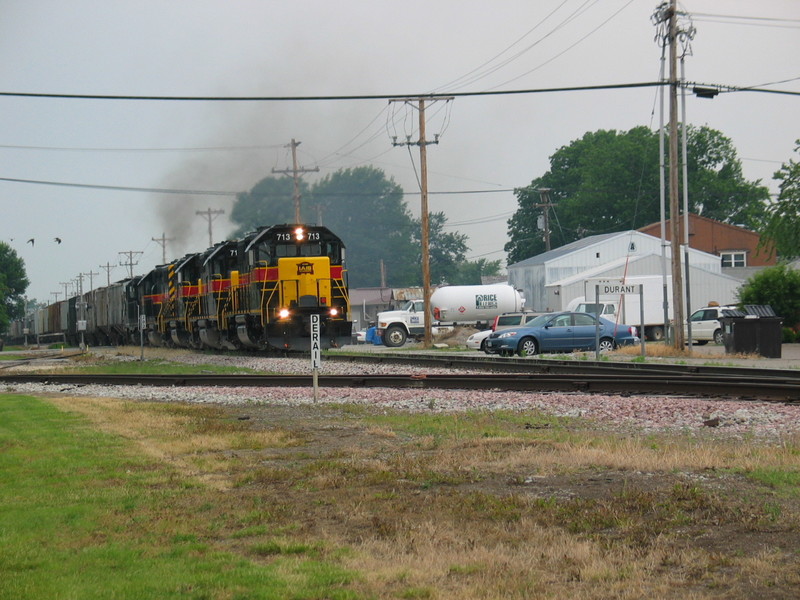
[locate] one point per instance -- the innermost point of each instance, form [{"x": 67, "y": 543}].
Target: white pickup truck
[{"x": 396, "y": 326}]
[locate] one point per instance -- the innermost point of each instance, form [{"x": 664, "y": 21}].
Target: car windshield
[{"x": 538, "y": 321}]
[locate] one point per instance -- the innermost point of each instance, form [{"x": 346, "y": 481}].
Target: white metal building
[{"x": 550, "y": 280}]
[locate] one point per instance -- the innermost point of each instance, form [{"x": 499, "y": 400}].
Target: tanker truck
[{"x": 451, "y": 305}]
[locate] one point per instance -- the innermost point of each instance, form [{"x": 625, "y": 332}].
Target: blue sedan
[{"x": 560, "y": 332}]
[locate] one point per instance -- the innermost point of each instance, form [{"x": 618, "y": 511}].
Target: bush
[
  {"x": 789, "y": 335},
  {"x": 778, "y": 287}
]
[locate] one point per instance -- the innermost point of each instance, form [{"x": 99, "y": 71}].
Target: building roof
[{"x": 586, "y": 242}]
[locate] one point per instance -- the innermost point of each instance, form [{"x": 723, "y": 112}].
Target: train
[{"x": 254, "y": 293}]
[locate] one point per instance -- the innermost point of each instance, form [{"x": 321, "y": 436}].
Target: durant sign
[{"x": 613, "y": 287}]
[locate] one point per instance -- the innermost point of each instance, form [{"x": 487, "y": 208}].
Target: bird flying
[
  {"x": 57, "y": 240},
  {"x": 30, "y": 241}
]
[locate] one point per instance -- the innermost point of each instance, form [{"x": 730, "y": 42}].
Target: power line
[
  {"x": 185, "y": 149},
  {"x": 743, "y": 17},
  {"x": 220, "y": 192},
  {"x": 611, "y": 86},
  {"x": 123, "y": 188}
]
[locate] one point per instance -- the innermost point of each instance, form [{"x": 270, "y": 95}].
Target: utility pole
[
  {"x": 66, "y": 288},
  {"x": 544, "y": 196},
  {"x": 296, "y": 172},
  {"x": 91, "y": 275},
  {"x": 130, "y": 263},
  {"x": 674, "y": 205},
  {"x": 424, "y": 216},
  {"x": 107, "y": 267},
  {"x": 163, "y": 241},
  {"x": 210, "y": 215}
]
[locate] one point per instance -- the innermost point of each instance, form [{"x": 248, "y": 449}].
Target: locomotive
[{"x": 258, "y": 292}]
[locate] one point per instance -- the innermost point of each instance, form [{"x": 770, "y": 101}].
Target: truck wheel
[
  {"x": 528, "y": 347},
  {"x": 394, "y": 336},
  {"x": 657, "y": 334},
  {"x": 718, "y": 337},
  {"x": 606, "y": 345}
]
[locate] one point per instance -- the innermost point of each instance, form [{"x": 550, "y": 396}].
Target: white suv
[{"x": 706, "y": 326}]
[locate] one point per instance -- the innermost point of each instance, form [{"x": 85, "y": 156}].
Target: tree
[
  {"x": 608, "y": 181},
  {"x": 270, "y": 202},
  {"x": 13, "y": 283},
  {"x": 783, "y": 226},
  {"x": 367, "y": 210},
  {"x": 779, "y": 287},
  {"x": 446, "y": 251},
  {"x": 470, "y": 272}
]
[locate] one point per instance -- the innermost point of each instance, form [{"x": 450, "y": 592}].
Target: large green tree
[
  {"x": 13, "y": 283},
  {"x": 609, "y": 181},
  {"x": 783, "y": 227},
  {"x": 368, "y": 211},
  {"x": 270, "y": 202},
  {"x": 446, "y": 251}
]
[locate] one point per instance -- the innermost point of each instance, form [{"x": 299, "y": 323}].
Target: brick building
[{"x": 737, "y": 247}]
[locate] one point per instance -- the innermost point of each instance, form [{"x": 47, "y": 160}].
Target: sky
[{"x": 111, "y": 177}]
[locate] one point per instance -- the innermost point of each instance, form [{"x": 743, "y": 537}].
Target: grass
[
  {"x": 108, "y": 498},
  {"x": 84, "y": 517}
]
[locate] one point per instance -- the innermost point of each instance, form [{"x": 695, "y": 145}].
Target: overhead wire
[
  {"x": 571, "y": 17},
  {"x": 567, "y": 49},
  {"x": 458, "y": 80}
]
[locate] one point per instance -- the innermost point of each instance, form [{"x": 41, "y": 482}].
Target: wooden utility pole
[
  {"x": 424, "y": 216},
  {"x": 674, "y": 206},
  {"x": 108, "y": 267},
  {"x": 91, "y": 275},
  {"x": 163, "y": 241},
  {"x": 544, "y": 196},
  {"x": 130, "y": 254},
  {"x": 210, "y": 215},
  {"x": 296, "y": 171}
]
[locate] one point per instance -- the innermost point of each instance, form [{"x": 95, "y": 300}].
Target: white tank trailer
[{"x": 472, "y": 304}]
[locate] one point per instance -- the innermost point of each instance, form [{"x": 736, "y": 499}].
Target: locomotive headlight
[
  {"x": 299, "y": 233},
  {"x": 334, "y": 311},
  {"x": 283, "y": 313}
]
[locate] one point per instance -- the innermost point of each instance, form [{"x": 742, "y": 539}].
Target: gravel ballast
[{"x": 764, "y": 421}]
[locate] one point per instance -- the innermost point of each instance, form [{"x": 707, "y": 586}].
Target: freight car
[{"x": 258, "y": 293}]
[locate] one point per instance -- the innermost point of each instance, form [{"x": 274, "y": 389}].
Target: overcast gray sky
[{"x": 203, "y": 48}]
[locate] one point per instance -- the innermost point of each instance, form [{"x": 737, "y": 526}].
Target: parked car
[
  {"x": 477, "y": 341},
  {"x": 560, "y": 332},
  {"x": 706, "y": 326},
  {"x": 513, "y": 319}
]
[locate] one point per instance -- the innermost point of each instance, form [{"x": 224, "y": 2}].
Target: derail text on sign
[{"x": 316, "y": 351}]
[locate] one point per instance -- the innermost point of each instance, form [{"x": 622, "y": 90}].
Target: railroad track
[{"x": 754, "y": 385}]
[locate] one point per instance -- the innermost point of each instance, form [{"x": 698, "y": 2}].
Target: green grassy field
[{"x": 82, "y": 517}]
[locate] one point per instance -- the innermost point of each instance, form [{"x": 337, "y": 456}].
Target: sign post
[
  {"x": 316, "y": 354},
  {"x": 616, "y": 289},
  {"x": 142, "y": 326}
]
